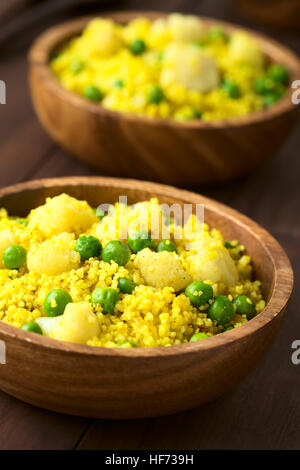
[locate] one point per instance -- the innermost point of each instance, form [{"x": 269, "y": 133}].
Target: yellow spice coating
[{"x": 153, "y": 315}]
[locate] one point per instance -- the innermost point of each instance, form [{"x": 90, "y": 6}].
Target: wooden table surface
[{"x": 264, "y": 411}]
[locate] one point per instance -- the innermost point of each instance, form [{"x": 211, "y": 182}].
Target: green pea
[
  {"x": 264, "y": 85},
  {"x": 128, "y": 344},
  {"x": 137, "y": 47},
  {"x": 245, "y": 306},
  {"x": 23, "y": 222},
  {"x": 93, "y": 93},
  {"x": 99, "y": 213},
  {"x": 198, "y": 337},
  {"x": 216, "y": 34},
  {"x": 200, "y": 43},
  {"x": 76, "y": 66},
  {"x": 189, "y": 114},
  {"x": 14, "y": 256},
  {"x": 196, "y": 114},
  {"x": 228, "y": 244},
  {"x": 155, "y": 94},
  {"x": 32, "y": 327},
  {"x": 221, "y": 310},
  {"x": 279, "y": 74},
  {"x": 199, "y": 293},
  {"x": 119, "y": 83},
  {"x": 126, "y": 285},
  {"x": 88, "y": 247},
  {"x": 228, "y": 328},
  {"x": 232, "y": 89},
  {"x": 107, "y": 297},
  {"x": 166, "y": 245},
  {"x": 55, "y": 302},
  {"x": 140, "y": 240},
  {"x": 271, "y": 98},
  {"x": 116, "y": 251}
]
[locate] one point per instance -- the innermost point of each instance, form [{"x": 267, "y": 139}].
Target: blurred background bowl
[{"x": 167, "y": 151}]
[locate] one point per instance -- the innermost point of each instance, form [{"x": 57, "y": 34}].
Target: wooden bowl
[
  {"x": 278, "y": 14},
  {"x": 134, "y": 383},
  {"x": 162, "y": 150}
]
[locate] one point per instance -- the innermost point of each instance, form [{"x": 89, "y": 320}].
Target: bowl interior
[{"x": 20, "y": 203}]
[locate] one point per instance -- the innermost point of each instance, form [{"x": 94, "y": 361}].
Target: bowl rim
[
  {"x": 40, "y": 50},
  {"x": 281, "y": 290}
]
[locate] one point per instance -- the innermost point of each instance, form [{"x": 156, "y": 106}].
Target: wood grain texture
[
  {"x": 156, "y": 149},
  {"x": 279, "y": 14},
  {"x": 87, "y": 381},
  {"x": 21, "y": 427}
]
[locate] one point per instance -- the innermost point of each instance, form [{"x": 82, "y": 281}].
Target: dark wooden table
[{"x": 264, "y": 411}]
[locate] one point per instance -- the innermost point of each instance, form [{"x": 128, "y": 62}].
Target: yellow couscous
[
  {"x": 173, "y": 67},
  {"x": 130, "y": 276}
]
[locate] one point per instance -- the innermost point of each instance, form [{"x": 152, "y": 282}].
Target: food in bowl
[
  {"x": 111, "y": 277},
  {"x": 173, "y": 67}
]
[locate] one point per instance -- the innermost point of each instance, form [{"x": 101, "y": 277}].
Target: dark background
[{"x": 264, "y": 411}]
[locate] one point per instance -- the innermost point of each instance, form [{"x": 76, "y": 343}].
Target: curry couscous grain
[{"x": 152, "y": 296}]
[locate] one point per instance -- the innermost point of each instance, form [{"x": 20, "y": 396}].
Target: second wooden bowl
[
  {"x": 156, "y": 149},
  {"x": 278, "y": 14},
  {"x": 134, "y": 383}
]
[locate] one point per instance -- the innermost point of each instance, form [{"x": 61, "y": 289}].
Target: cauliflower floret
[
  {"x": 191, "y": 67},
  {"x": 103, "y": 37},
  {"x": 7, "y": 238},
  {"x": 62, "y": 213},
  {"x": 214, "y": 264},
  {"x": 78, "y": 324},
  {"x": 48, "y": 324},
  {"x": 244, "y": 49},
  {"x": 185, "y": 27},
  {"x": 53, "y": 256},
  {"x": 159, "y": 34},
  {"x": 163, "y": 269}
]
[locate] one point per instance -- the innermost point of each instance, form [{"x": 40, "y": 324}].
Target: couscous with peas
[
  {"x": 112, "y": 278},
  {"x": 174, "y": 67}
]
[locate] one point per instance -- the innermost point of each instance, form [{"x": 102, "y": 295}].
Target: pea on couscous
[
  {"x": 175, "y": 67},
  {"x": 115, "y": 280}
]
